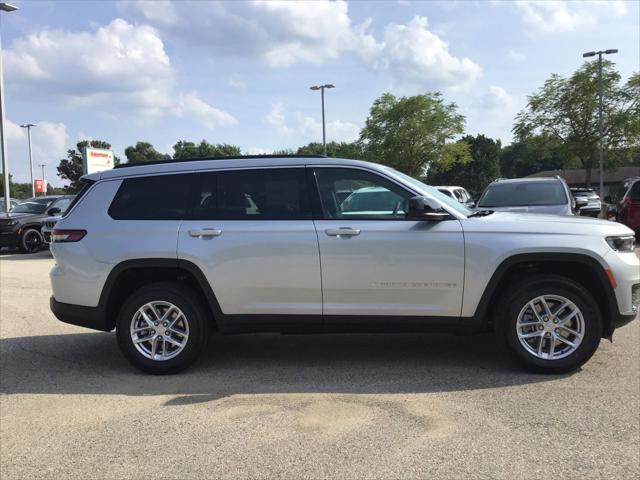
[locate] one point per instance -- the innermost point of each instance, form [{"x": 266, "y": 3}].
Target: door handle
[
  {"x": 342, "y": 232},
  {"x": 206, "y": 232}
]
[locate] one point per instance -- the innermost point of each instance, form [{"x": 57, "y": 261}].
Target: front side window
[
  {"x": 350, "y": 193},
  {"x": 634, "y": 194},
  {"x": 523, "y": 194},
  {"x": 62, "y": 204},
  {"x": 253, "y": 194},
  {"x": 159, "y": 197}
]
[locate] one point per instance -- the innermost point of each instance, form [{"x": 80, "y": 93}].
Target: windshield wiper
[{"x": 481, "y": 213}]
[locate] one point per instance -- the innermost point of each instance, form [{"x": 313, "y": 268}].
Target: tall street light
[
  {"x": 28, "y": 127},
  {"x": 4, "y": 7},
  {"x": 601, "y": 147},
  {"x": 324, "y": 136}
]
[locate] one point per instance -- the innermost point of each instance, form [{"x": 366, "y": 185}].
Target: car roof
[
  {"x": 227, "y": 162},
  {"x": 527, "y": 180}
]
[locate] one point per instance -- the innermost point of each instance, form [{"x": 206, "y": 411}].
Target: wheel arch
[
  {"x": 129, "y": 275},
  {"x": 581, "y": 268}
]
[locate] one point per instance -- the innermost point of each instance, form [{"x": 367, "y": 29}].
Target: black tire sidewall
[
  {"x": 23, "y": 246},
  {"x": 193, "y": 309},
  {"x": 552, "y": 285}
]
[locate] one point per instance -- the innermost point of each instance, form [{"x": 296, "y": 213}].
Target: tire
[
  {"x": 192, "y": 327},
  {"x": 583, "y": 329},
  {"x": 31, "y": 241}
]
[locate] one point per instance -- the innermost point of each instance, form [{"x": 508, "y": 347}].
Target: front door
[
  {"x": 252, "y": 235},
  {"x": 374, "y": 261}
]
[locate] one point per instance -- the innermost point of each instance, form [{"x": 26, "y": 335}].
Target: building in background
[{"x": 576, "y": 177}]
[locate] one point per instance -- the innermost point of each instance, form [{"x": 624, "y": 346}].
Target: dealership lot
[{"x": 347, "y": 406}]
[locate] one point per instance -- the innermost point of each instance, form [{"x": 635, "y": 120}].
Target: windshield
[
  {"x": 523, "y": 194},
  {"x": 62, "y": 204},
  {"x": 29, "y": 207},
  {"x": 441, "y": 197}
]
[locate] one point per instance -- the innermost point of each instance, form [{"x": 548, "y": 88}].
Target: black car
[{"x": 21, "y": 226}]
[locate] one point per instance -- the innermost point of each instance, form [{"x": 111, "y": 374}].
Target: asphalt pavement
[{"x": 325, "y": 406}]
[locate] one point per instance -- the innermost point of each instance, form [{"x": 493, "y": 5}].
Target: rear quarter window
[{"x": 159, "y": 197}]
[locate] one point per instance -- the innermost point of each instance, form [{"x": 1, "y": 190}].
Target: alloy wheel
[
  {"x": 159, "y": 330},
  {"x": 550, "y": 327}
]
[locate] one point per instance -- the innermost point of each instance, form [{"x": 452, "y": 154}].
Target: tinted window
[
  {"x": 30, "y": 207},
  {"x": 253, "y": 194},
  {"x": 635, "y": 191},
  {"x": 162, "y": 197},
  {"x": 446, "y": 192},
  {"x": 62, "y": 204},
  {"x": 370, "y": 197},
  {"x": 522, "y": 194}
]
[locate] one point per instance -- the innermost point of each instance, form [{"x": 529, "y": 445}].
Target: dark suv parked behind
[{"x": 21, "y": 226}]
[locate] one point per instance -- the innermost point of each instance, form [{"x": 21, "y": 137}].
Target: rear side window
[
  {"x": 253, "y": 194},
  {"x": 161, "y": 197}
]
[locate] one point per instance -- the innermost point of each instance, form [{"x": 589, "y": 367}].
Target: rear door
[
  {"x": 377, "y": 263},
  {"x": 250, "y": 231}
]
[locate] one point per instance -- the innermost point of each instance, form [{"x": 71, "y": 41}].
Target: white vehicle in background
[{"x": 457, "y": 193}]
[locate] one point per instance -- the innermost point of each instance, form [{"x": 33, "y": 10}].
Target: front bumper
[
  {"x": 88, "y": 317},
  {"x": 9, "y": 239}
]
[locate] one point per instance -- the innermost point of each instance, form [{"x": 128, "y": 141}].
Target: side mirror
[
  {"x": 53, "y": 211},
  {"x": 581, "y": 202},
  {"x": 422, "y": 208}
]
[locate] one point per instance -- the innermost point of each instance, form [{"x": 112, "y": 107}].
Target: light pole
[
  {"x": 601, "y": 145},
  {"x": 44, "y": 184},
  {"x": 324, "y": 136},
  {"x": 28, "y": 127},
  {"x": 4, "y": 7}
]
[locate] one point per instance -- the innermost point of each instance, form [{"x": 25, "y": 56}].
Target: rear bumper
[{"x": 88, "y": 317}]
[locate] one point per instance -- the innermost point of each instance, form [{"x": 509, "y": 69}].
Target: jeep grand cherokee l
[{"x": 165, "y": 252}]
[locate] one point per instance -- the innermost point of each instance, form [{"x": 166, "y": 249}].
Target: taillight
[{"x": 59, "y": 236}]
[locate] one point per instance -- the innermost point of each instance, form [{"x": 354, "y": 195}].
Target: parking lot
[{"x": 343, "y": 406}]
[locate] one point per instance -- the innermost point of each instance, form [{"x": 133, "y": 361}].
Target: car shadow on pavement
[
  {"x": 13, "y": 255},
  {"x": 90, "y": 363}
]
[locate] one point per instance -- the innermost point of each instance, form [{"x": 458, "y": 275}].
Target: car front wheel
[
  {"x": 162, "y": 328},
  {"x": 551, "y": 324}
]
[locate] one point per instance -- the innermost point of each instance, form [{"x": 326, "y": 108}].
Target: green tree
[
  {"x": 70, "y": 168},
  {"x": 144, "y": 152},
  {"x": 534, "y": 154},
  {"x": 16, "y": 190},
  {"x": 473, "y": 164},
  {"x": 567, "y": 109},
  {"x": 351, "y": 150},
  {"x": 184, "y": 149},
  {"x": 410, "y": 133}
]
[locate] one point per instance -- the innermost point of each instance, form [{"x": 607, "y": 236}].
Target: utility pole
[
  {"x": 324, "y": 136},
  {"x": 28, "y": 127},
  {"x": 600, "y": 128},
  {"x": 44, "y": 183}
]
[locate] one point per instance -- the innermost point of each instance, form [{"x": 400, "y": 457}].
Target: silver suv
[{"x": 165, "y": 253}]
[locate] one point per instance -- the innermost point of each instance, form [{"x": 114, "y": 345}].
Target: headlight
[
  {"x": 12, "y": 223},
  {"x": 624, "y": 243}
]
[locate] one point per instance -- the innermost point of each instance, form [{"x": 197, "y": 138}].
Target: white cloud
[
  {"x": 191, "y": 105},
  {"x": 236, "y": 81},
  {"x": 277, "y": 119},
  {"x": 118, "y": 67},
  {"x": 49, "y": 141},
  {"x": 337, "y": 130},
  {"x": 516, "y": 55},
  {"x": 495, "y": 101},
  {"x": 561, "y": 16},
  {"x": 258, "y": 151},
  {"x": 415, "y": 54},
  {"x": 284, "y": 33}
]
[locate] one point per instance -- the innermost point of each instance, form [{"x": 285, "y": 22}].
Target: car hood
[
  {"x": 538, "y": 209},
  {"x": 510, "y": 222}
]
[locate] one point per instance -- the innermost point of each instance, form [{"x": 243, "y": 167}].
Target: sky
[{"x": 239, "y": 72}]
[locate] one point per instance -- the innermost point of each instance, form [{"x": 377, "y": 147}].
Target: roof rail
[{"x": 230, "y": 157}]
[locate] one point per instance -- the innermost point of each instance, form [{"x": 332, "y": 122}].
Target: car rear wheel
[
  {"x": 162, "y": 328},
  {"x": 31, "y": 241},
  {"x": 551, "y": 324}
]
